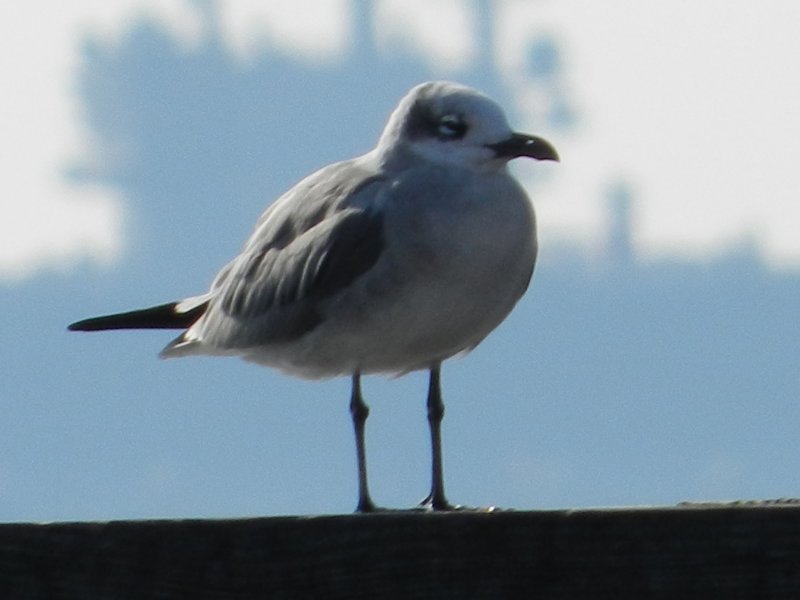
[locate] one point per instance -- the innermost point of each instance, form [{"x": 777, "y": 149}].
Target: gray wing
[{"x": 313, "y": 242}]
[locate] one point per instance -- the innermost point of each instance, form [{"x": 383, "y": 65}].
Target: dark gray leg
[
  {"x": 359, "y": 411},
  {"x": 436, "y": 500}
]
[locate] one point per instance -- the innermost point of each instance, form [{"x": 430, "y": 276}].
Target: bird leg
[
  {"x": 436, "y": 499},
  {"x": 359, "y": 411}
]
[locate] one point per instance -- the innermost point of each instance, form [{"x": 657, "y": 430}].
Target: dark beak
[{"x": 520, "y": 144}]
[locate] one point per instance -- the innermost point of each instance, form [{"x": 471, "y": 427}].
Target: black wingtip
[
  {"x": 84, "y": 325},
  {"x": 163, "y": 316},
  {"x": 93, "y": 324}
]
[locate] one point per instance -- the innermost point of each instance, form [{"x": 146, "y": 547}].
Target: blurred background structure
[{"x": 655, "y": 358}]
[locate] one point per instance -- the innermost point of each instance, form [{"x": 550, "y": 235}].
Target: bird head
[{"x": 448, "y": 123}]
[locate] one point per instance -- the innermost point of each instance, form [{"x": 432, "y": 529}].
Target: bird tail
[{"x": 174, "y": 315}]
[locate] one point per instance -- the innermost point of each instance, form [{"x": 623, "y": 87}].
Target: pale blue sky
[{"x": 627, "y": 375}]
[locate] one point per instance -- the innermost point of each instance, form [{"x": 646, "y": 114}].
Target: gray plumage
[{"x": 390, "y": 262}]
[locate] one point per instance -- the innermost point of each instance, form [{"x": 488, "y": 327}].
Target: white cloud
[
  {"x": 692, "y": 105},
  {"x": 39, "y": 139},
  {"x": 111, "y": 20},
  {"x": 81, "y": 223},
  {"x": 47, "y": 221},
  {"x": 440, "y": 31},
  {"x": 695, "y": 105},
  {"x": 317, "y": 30}
]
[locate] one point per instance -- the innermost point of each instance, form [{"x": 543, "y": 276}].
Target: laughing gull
[{"x": 386, "y": 263}]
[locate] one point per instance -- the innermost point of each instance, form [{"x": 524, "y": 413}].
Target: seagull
[{"x": 387, "y": 263}]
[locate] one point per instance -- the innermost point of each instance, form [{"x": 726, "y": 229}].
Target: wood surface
[{"x": 695, "y": 551}]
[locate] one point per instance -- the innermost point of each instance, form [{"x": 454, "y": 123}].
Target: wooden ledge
[{"x": 740, "y": 550}]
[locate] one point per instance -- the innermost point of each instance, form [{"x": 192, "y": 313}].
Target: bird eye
[{"x": 451, "y": 127}]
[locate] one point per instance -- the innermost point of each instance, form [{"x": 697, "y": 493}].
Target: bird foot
[
  {"x": 428, "y": 505},
  {"x": 437, "y": 504}
]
